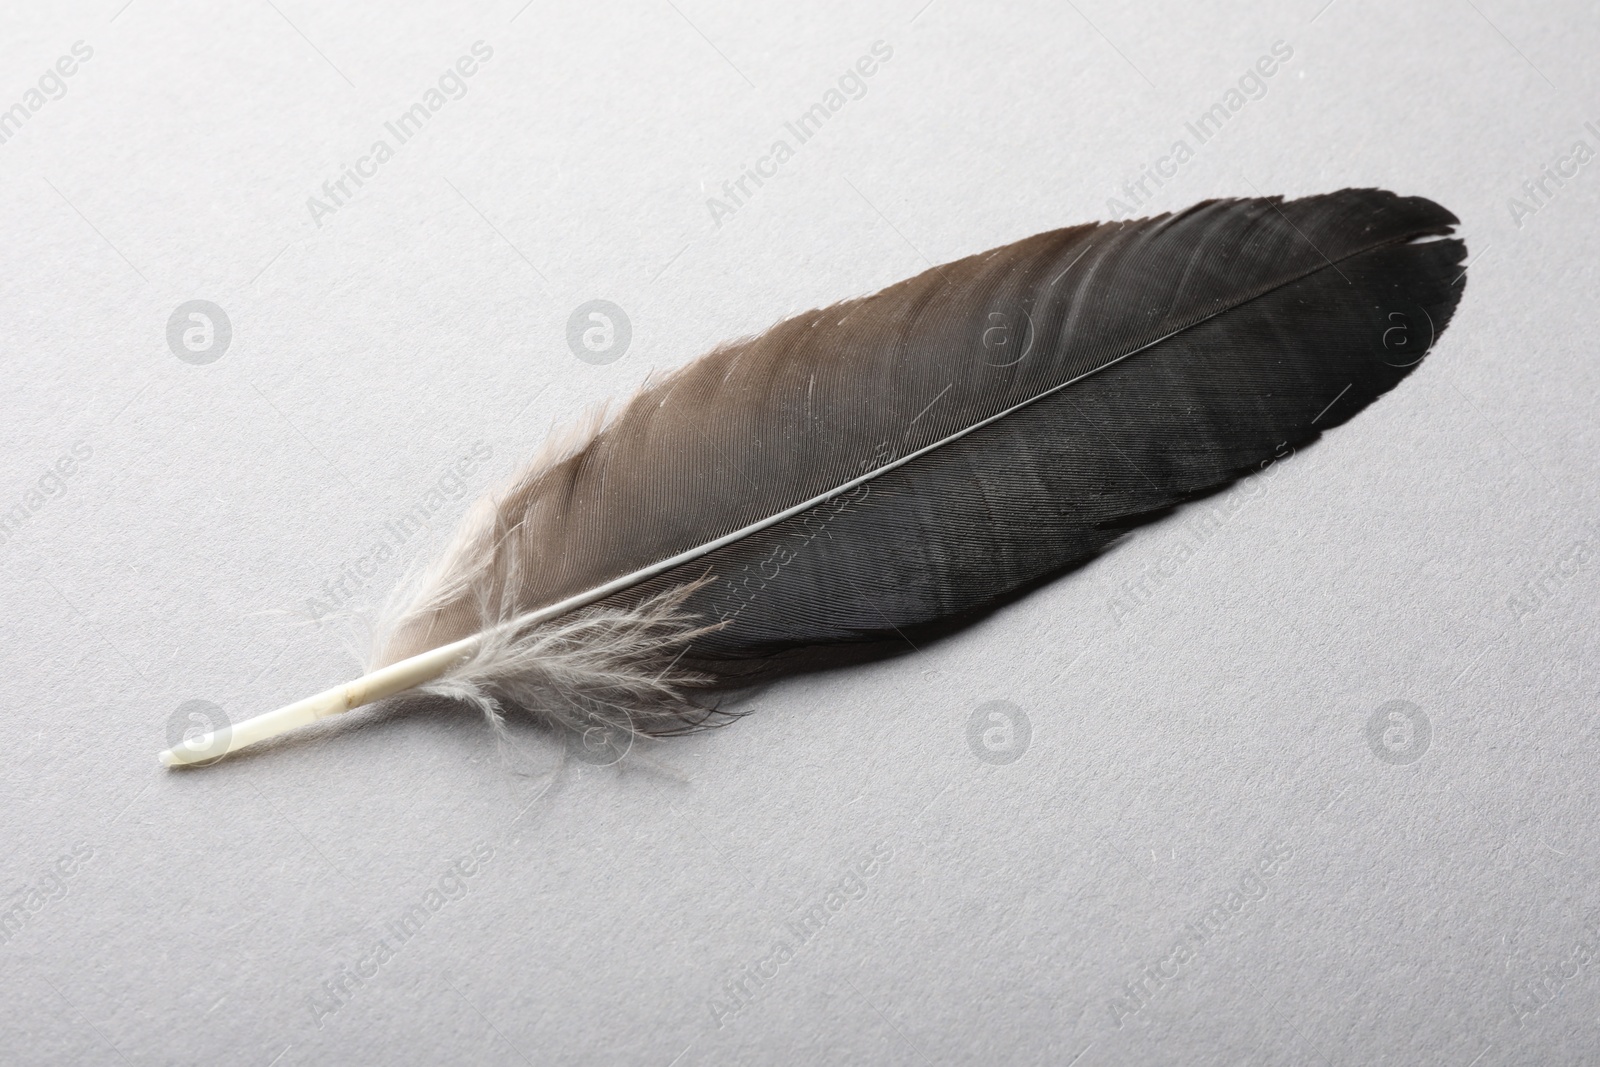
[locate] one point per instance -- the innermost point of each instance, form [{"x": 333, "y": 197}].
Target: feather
[{"x": 897, "y": 464}]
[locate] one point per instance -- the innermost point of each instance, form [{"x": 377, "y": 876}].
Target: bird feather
[{"x": 897, "y": 464}]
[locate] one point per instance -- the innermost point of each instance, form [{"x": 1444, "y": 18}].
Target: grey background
[{"x": 1435, "y": 551}]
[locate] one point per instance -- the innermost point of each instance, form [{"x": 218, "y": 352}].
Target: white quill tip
[{"x": 407, "y": 674}]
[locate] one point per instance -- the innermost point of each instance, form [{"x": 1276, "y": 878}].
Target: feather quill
[{"x": 896, "y": 464}]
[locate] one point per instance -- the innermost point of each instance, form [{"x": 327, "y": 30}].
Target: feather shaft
[{"x": 384, "y": 682}]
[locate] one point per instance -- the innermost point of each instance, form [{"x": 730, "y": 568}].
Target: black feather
[
  {"x": 1272, "y": 362},
  {"x": 942, "y": 444}
]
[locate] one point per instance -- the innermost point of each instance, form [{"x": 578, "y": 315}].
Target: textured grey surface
[{"x": 1202, "y": 700}]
